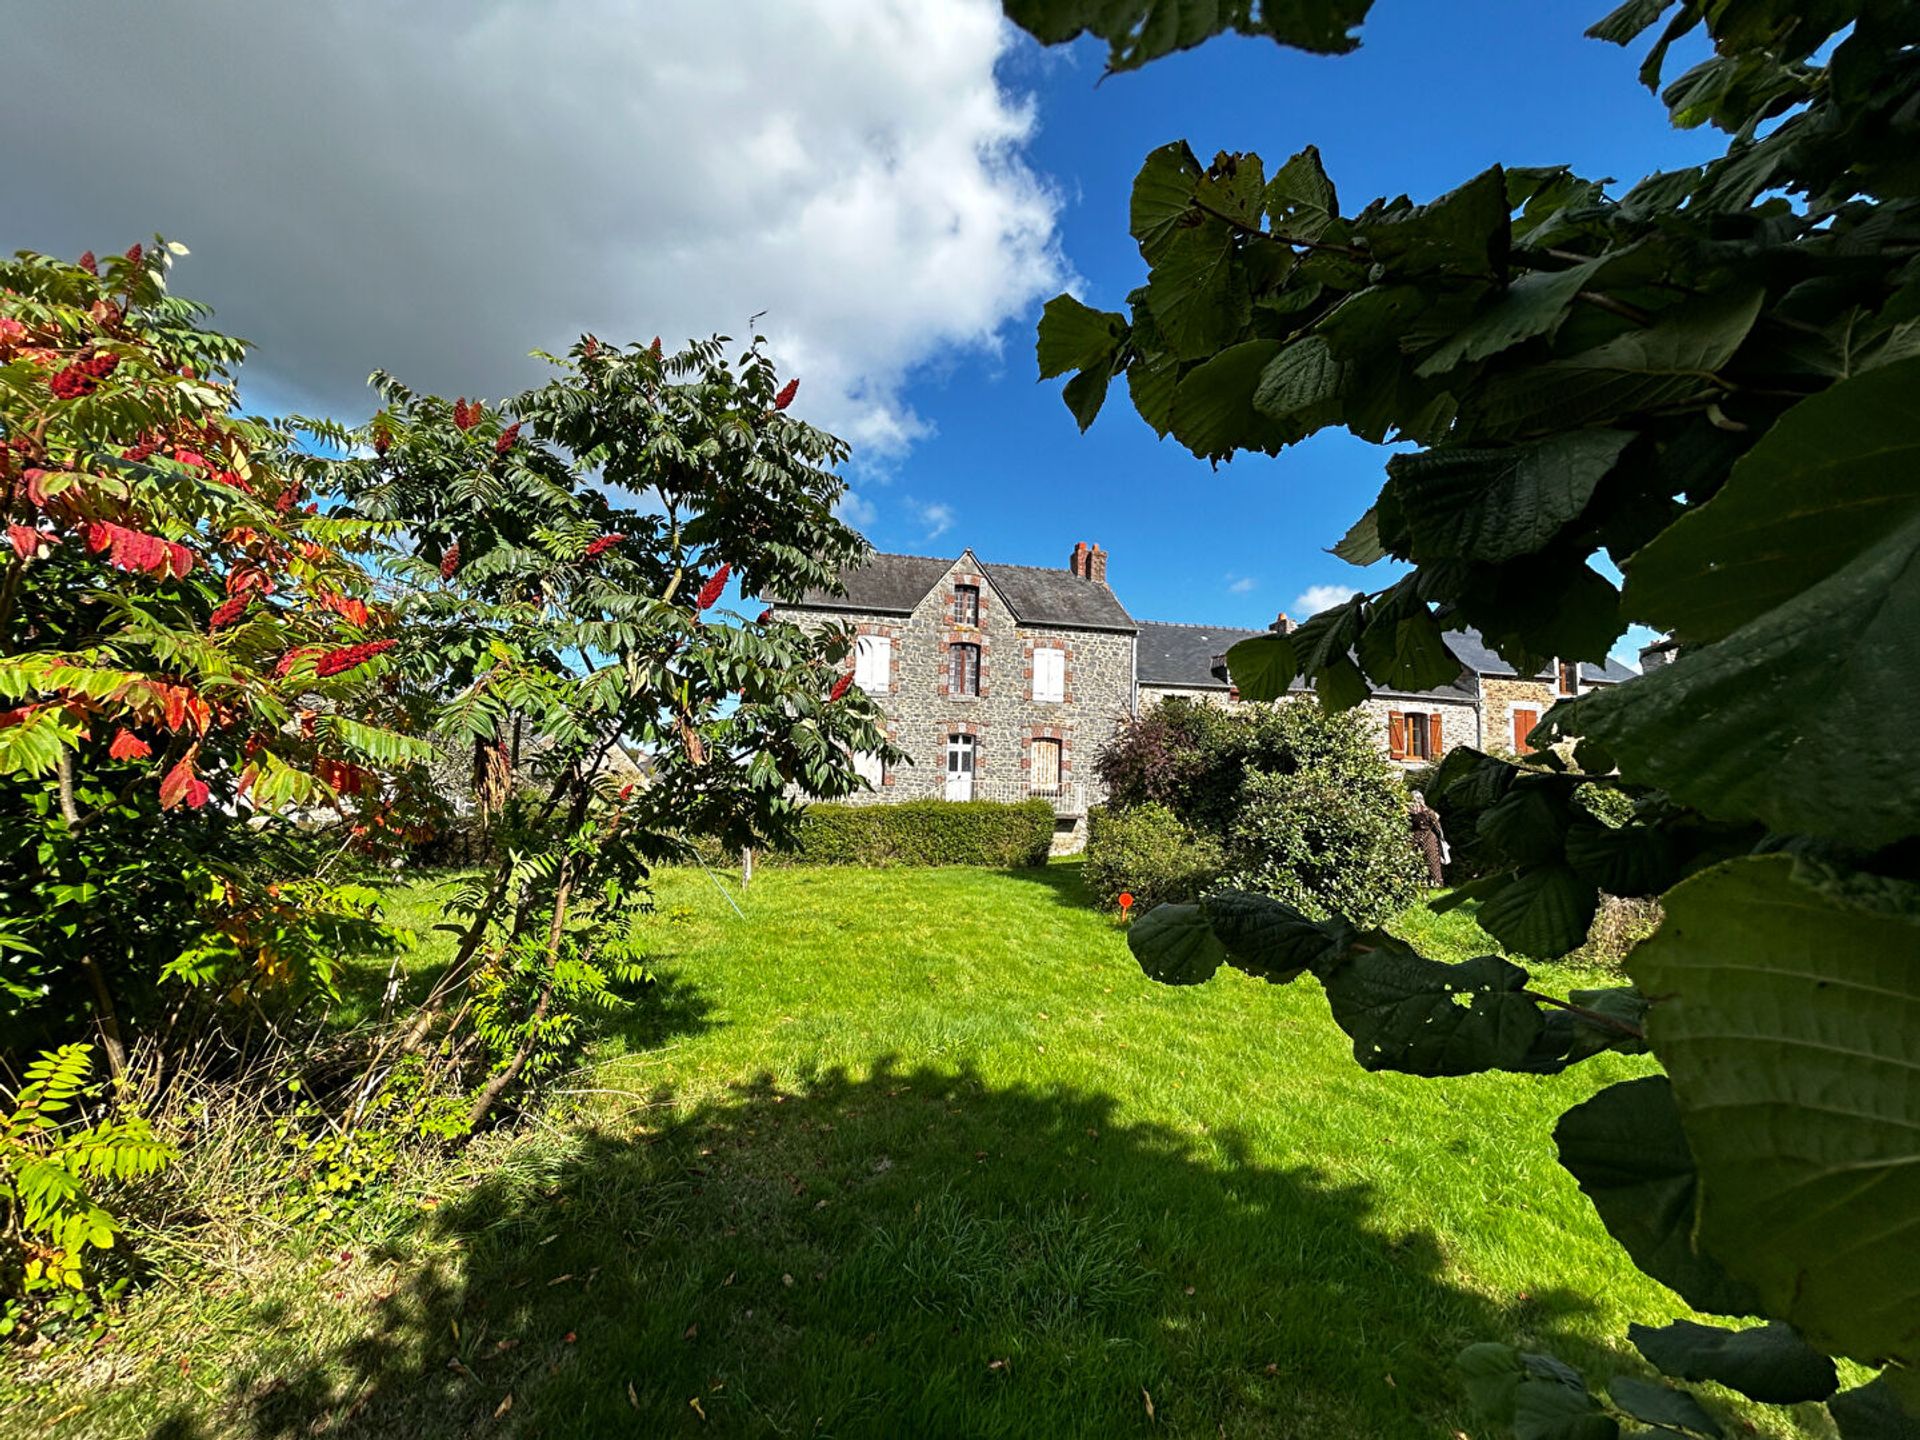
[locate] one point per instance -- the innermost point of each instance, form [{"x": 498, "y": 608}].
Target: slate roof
[
  {"x": 1478, "y": 656},
  {"x": 1037, "y": 595},
  {"x": 1183, "y": 655}
]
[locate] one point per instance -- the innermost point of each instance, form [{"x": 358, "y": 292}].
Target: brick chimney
[
  {"x": 1078, "y": 564},
  {"x": 1285, "y": 624},
  {"x": 1097, "y": 564}
]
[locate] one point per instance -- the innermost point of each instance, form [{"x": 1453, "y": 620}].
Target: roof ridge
[{"x": 1192, "y": 625}]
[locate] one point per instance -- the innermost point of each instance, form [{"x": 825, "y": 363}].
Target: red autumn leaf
[
  {"x": 785, "y": 397},
  {"x": 352, "y": 610},
  {"x": 766, "y": 615},
  {"x": 182, "y": 784},
  {"x": 228, "y": 611},
  {"x": 710, "y": 591},
  {"x": 25, "y": 540},
  {"x": 129, "y": 746}
]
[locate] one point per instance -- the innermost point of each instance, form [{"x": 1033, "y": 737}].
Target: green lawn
[{"x": 923, "y": 1153}]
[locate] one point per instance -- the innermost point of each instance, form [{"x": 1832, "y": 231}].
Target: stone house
[{"x": 1003, "y": 681}]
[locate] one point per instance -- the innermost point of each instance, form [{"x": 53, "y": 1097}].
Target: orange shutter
[
  {"x": 1396, "y": 735},
  {"x": 1523, "y": 723},
  {"x": 1433, "y": 735}
]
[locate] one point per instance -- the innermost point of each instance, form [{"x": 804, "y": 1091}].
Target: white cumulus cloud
[
  {"x": 1316, "y": 598},
  {"x": 439, "y": 187},
  {"x": 1243, "y": 585}
]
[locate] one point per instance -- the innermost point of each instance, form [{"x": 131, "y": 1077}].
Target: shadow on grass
[{"x": 911, "y": 1253}]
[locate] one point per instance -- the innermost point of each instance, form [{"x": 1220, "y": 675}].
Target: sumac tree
[
  {"x": 1709, "y": 380},
  {"x": 188, "y": 651},
  {"x": 551, "y": 627}
]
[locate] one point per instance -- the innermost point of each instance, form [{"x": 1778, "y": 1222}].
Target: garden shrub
[
  {"x": 1620, "y": 923},
  {"x": 1325, "y": 845},
  {"x": 1286, "y": 799},
  {"x": 1151, "y": 853},
  {"x": 924, "y": 832}
]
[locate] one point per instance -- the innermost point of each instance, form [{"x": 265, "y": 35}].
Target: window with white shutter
[
  {"x": 1050, "y": 674},
  {"x": 873, "y": 664},
  {"x": 870, "y": 768}
]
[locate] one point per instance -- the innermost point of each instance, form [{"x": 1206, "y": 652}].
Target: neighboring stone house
[
  {"x": 1489, "y": 706},
  {"x": 1002, "y": 682}
]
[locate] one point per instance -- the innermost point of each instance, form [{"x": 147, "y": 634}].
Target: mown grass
[{"x": 923, "y": 1153}]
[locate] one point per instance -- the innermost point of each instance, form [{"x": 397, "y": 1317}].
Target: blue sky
[{"x": 1435, "y": 94}]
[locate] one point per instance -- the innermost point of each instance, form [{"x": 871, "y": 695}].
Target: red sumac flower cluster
[
  {"x": 507, "y": 437},
  {"x": 349, "y": 656},
  {"x": 710, "y": 591},
  {"x": 604, "y": 543}
]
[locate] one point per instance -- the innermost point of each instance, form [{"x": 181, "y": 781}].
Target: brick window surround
[
  {"x": 891, "y": 633},
  {"x": 1028, "y": 645},
  {"x": 1061, "y": 733}
]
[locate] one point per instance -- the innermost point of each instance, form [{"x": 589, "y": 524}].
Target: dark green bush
[
  {"x": 1149, "y": 851},
  {"x": 924, "y": 832},
  {"x": 1285, "y": 799},
  {"x": 1326, "y": 844}
]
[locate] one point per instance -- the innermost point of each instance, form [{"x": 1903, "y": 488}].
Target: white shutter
[
  {"x": 873, "y": 663},
  {"x": 1049, "y": 674},
  {"x": 870, "y": 769}
]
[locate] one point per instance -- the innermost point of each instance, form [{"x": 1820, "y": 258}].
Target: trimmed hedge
[{"x": 924, "y": 832}]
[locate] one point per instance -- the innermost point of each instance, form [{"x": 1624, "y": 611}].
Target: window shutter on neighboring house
[
  {"x": 1523, "y": 723},
  {"x": 1049, "y": 674},
  {"x": 1396, "y": 735},
  {"x": 873, "y": 663},
  {"x": 1433, "y": 736}
]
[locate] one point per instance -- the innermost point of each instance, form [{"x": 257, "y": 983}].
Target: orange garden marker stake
[{"x": 1126, "y": 905}]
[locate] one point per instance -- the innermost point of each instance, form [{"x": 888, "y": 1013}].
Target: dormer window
[
  {"x": 1569, "y": 677},
  {"x": 966, "y": 604}
]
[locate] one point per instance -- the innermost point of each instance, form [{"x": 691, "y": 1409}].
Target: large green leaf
[
  {"x": 1545, "y": 912},
  {"x": 1300, "y": 198},
  {"x": 1213, "y": 410},
  {"x": 1835, "y": 474},
  {"x": 1528, "y": 826},
  {"x": 1873, "y": 1412},
  {"x": 1074, "y": 336},
  {"x": 1621, "y": 860},
  {"x": 1198, "y": 290},
  {"x": 1175, "y": 945},
  {"x": 1495, "y": 505},
  {"x": 1534, "y": 304},
  {"x": 1793, "y": 719},
  {"x": 1162, "y": 197},
  {"x": 1536, "y": 1396},
  {"x": 1670, "y": 363},
  {"x": 1137, "y": 31},
  {"x": 1300, "y": 389},
  {"x": 1661, "y": 1405},
  {"x": 1769, "y": 1363},
  {"x": 1273, "y": 940},
  {"x": 1263, "y": 667},
  {"x": 1786, "y": 1006},
  {"x": 1463, "y": 232},
  {"x": 1418, "y": 1016},
  {"x": 1627, "y": 1149}
]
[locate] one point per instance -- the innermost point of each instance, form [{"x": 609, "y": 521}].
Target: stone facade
[
  {"x": 1500, "y": 698},
  {"x": 1111, "y": 666},
  {"x": 923, "y": 711}
]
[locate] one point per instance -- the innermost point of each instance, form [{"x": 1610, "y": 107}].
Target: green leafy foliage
[
  {"x": 924, "y": 832},
  {"x": 1788, "y": 1005},
  {"x": 1149, "y": 852},
  {"x": 1137, "y": 31},
  {"x": 1706, "y": 381},
  {"x": 53, "y": 1161},
  {"x": 1770, "y": 1362},
  {"x": 1289, "y": 802}
]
